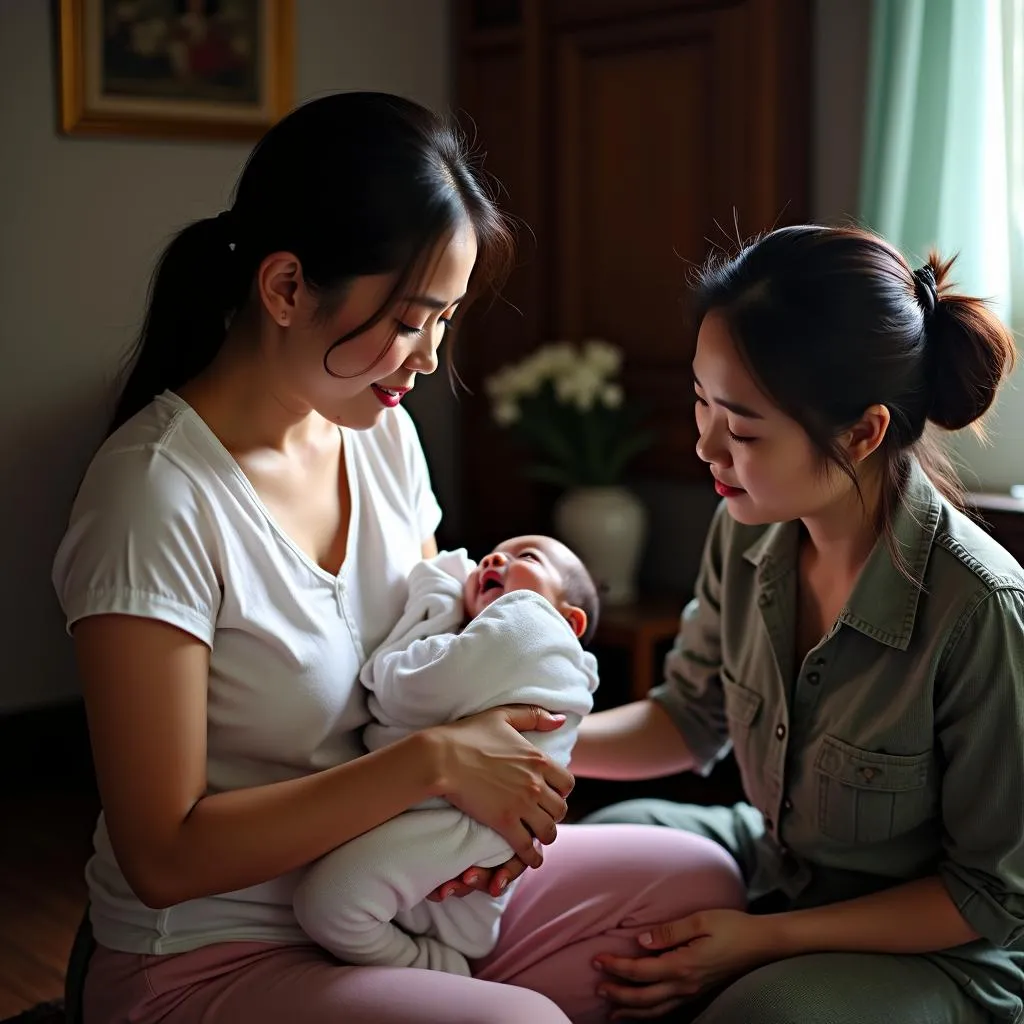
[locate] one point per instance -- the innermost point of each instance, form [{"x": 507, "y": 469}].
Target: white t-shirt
[{"x": 167, "y": 526}]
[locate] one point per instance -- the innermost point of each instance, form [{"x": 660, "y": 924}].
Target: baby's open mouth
[{"x": 490, "y": 580}]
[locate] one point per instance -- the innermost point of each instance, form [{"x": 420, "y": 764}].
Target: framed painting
[{"x": 175, "y": 68}]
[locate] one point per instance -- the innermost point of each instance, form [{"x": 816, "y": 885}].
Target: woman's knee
[
  {"x": 518, "y": 1005},
  {"x": 773, "y": 994},
  {"x": 844, "y": 988},
  {"x": 659, "y": 872}
]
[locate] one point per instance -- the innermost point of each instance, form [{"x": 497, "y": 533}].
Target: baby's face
[{"x": 534, "y": 563}]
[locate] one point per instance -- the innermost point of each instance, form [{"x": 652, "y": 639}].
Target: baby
[{"x": 507, "y": 631}]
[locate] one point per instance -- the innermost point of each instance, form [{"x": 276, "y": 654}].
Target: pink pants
[{"x": 600, "y": 886}]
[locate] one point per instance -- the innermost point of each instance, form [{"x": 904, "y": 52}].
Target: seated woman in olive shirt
[{"x": 859, "y": 644}]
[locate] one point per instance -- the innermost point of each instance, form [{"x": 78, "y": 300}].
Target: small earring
[{"x": 284, "y": 319}]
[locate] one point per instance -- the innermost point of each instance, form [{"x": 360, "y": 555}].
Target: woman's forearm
[
  {"x": 634, "y": 741},
  {"x": 916, "y": 917},
  {"x": 240, "y": 838}
]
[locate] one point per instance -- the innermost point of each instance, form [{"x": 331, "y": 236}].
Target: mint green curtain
[
  {"x": 942, "y": 167},
  {"x": 934, "y": 165}
]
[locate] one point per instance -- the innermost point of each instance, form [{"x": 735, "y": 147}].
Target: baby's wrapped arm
[{"x": 519, "y": 650}]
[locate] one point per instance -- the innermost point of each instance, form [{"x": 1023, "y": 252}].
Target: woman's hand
[
  {"x": 703, "y": 950},
  {"x": 493, "y": 881},
  {"x": 502, "y": 780}
]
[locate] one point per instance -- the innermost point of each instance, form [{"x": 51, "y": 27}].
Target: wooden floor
[{"x": 48, "y": 809}]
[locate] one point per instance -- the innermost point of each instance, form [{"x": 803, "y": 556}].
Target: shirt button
[
  {"x": 812, "y": 678},
  {"x": 787, "y": 804},
  {"x": 780, "y": 731}
]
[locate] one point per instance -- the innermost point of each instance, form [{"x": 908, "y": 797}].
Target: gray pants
[{"x": 817, "y": 988}]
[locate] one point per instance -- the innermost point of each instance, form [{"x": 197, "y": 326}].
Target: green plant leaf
[
  {"x": 550, "y": 475},
  {"x": 627, "y": 449}
]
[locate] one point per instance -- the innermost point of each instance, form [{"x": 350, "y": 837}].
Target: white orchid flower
[
  {"x": 506, "y": 413},
  {"x": 584, "y": 400},
  {"x": 611, "y": 396},
  {"x": 605, "y": 358},
  {"x": 498, "y": 384}
]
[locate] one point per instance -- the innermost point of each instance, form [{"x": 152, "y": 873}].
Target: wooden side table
[{"x": 638, "y": 629}]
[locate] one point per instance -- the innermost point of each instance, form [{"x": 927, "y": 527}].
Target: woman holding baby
[{"x": 241, "y": 544}]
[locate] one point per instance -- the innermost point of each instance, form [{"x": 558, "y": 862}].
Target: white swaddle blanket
[
  {"x": 366, "y": 901},
  {"x": 518, "y": 650}
]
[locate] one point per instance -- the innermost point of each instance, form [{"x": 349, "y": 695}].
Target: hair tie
[
  {"x": 226, "y": 220},
  {"x": 927, "y": 292}
]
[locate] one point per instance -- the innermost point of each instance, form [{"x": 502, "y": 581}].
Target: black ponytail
[
  {"x": 194, "y": 289},
  {"x": 351, "y": 184}
]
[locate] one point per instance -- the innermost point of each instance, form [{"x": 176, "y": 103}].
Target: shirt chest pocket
[
  {"x": 867, "y": 797},
  {"x": 741, "y": 705}
]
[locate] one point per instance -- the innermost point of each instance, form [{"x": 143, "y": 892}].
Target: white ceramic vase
[{"x": 606, "y": 527}]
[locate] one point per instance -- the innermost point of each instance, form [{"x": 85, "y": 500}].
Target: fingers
[
  {"x": 643, "y": 970},
  {"x": 630, "y": 998},
  {"x": 530, "y": 718},
  {"x": 541, "y": 825},
  {"x": 472, "y": 880},
  {"x": 631, "y": 1002},
  {"x": 454, "y": 887},
  {"x": 560, "y": 779},
  {"x": 553, "y": 805},
  {"x": 674, "y": 933},
  {"x": 505, "y": 875},
  {"x": 650, "y": 1013},
  {"x": 477, "y": 879},
  {"x": 545, "y": 807},
  {"x": 520, "y": 839}
]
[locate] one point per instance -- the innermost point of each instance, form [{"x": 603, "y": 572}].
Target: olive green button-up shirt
[{"x": 895, "y": 749}]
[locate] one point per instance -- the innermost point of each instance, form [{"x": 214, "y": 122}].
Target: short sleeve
[
  {"x": 140, "y": 542},
  {"x": 980, "y": 727},
  {"x": 692, "y": 691},
  {"x": 425, "y": 504}
]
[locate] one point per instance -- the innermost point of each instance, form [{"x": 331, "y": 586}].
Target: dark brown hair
[
  {"x": 581, "y": 592},
  {"x": 352, "y": 184},
  {"x": 831, "y": 321}
]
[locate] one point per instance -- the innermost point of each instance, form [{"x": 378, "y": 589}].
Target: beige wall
[{"x": 81, "y": 222}]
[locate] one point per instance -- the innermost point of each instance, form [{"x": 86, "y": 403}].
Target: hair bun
[{"x": 969, "y": 349}]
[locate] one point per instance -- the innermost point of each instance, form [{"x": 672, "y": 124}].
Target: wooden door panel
[
  {"x": 651, "y": 158},
  {"x": 633, "y": 137},
  {"x": 498, "y": 93},
  {"x": 631, "y": 188}
]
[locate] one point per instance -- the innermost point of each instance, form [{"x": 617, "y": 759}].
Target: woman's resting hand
[
  {"x": 503, "y": 781},
  {"x": 691, "y": 955}
]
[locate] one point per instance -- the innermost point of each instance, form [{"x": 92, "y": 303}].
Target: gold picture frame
[{"x": 171, "y": 69}]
